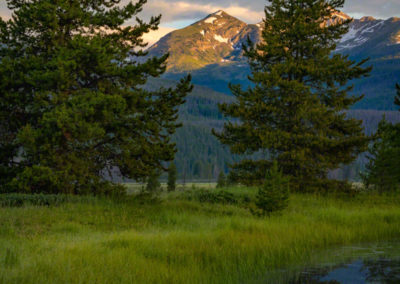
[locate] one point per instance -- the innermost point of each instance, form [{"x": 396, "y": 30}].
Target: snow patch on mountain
[
  {"x": 358, "y": 35},
  {"x": 372, "y": 28},
  {"x": 221, "y": 39},
  {"x": 350, "y": 35},
  {"x": 210, "y": 20},
  {"x": 202, "y": 33},
  {"x": 218, "y": 13}
]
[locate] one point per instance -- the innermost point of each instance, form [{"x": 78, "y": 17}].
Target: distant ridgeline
[
  {"x": 201, "y": 156},
  {"x": 211, "y": 50}
]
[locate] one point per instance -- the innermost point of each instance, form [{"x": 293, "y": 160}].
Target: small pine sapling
[
  {"x": 153, "y": 184},
  {"x": 221, "y": 182},
  {"x": 273, "y": 195}
]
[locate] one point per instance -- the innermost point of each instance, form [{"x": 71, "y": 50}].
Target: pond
[
  {"x": 369, "y": 263},
  {"x": 381, "y": 270}
]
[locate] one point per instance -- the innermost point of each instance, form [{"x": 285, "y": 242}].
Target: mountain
[
  {"x": 218, "y": 38},
  {"x": 373, "y": 37},
  {"x": 211, "y": 50}
]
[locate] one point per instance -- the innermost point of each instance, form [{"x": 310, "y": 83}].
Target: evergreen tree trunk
[{"x": 172, "y": 173}]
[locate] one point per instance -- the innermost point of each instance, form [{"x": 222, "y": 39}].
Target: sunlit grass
[{"x": 180, "y": 241}]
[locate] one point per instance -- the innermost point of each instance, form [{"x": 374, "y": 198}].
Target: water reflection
[{"x": 381, "y": 270}]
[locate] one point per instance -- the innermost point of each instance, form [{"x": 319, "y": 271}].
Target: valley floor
[{"x": 182, "y": 238}]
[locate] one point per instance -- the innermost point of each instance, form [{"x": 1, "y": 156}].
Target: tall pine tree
[
  {"x": 295, "y": 110},
  {"x": 72, "y": 106},
  {"x": 383, "y": 167}
]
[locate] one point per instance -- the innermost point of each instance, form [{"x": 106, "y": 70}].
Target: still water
[
  {"x": 360, "y": 271},
  {"x": 367, "y": 263},
  {"x": 373, "y": 263}
]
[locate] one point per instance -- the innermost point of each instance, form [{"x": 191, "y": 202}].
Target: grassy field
[{"x": 178, "y": 239}]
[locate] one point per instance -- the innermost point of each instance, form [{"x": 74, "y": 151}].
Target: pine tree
[
  {"x": 273, "y": 195},
  {"x": 295, "y": 111},
  {"x": 383, "y": 167},
  {"x": 153, "y": 183},
  {"x": 172, "y": 173},
  {"x": 221, "y": 182},
  {"x": 71, "y": 99}
]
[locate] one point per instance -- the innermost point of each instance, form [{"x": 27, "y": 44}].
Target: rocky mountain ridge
[{"x": 218, "y": 39}]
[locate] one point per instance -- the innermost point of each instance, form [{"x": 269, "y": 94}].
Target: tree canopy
[
  {"x": 72, "y": 106},
  {"x": 295, "y": 110}
]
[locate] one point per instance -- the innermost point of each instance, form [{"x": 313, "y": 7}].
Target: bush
[
  {"x": 45, "y": 181},
  {"x": 203, "y": 195},
  {"x": 274, "y": 194},
  {"x": 36, "y": 179},
  {"x": 221, "y": 180},
  {"x": 153, "y": 183},
  {"x": 19, "y": 200}
]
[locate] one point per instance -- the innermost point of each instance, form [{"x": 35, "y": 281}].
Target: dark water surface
[
  {"x": 373, "y": 263},
  {"x": 367, "y": 263},
  {"x": 360, "y": 271}
]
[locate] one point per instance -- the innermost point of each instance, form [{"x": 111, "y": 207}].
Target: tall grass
[{"x": 181, "y": 241}]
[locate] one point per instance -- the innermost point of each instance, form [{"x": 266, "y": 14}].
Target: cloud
[
  {"x": 252, "y": 11},
  {"x": 178, "y": 13},
  {"x": 153, "y": 36},
  {"x": 377, "y": 8},
  {"x": 248, "y": 11},
  {"x": 183, "y": 10},
  {"x": 4, "y": 13}
]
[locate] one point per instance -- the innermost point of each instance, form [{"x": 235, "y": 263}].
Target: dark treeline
[{"x": 200, "y": 156}]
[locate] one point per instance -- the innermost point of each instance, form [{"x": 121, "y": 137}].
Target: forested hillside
[{"x": 201, "y": 156}]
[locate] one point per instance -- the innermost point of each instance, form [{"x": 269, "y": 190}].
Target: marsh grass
[{"x": 175, "y": 240}]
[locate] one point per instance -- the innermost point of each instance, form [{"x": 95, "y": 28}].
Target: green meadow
[{"x": 190, "y": 236}]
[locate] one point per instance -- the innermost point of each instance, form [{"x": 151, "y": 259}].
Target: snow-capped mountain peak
[{"x": 218, "y": 39}]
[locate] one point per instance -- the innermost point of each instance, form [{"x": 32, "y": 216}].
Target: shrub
[
  {"x": 153, "y": 183},
  {"x": 221, "y": 180},
  {"x": 19, "y": 200},
  {"x": 36, "y": 179},
  {"x": 209, "y": 196},
  {"x": 274, "y": 194}
]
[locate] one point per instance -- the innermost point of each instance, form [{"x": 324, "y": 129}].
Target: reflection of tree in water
[
  {"x": 387, "y": 270},
  {"x": 375, "y": 271}
]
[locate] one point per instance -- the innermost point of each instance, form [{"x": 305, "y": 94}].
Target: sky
[{"x": 181, "y": 13}]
